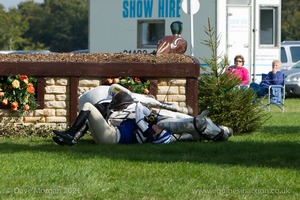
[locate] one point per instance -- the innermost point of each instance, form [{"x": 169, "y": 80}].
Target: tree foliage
[
  {"x": 290, "y": 29},
  {"x": 228, "y": 105},
  {"x": 66, "y": 26},
  {"x": 12, "y": 27},
  {"x": 59, "y": 26},
  {"x": 33, "y": 14}
]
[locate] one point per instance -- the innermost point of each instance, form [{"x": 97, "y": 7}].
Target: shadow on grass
[
  {"x": 282, "y": 154},
  {"x": 282, "y": 130}
]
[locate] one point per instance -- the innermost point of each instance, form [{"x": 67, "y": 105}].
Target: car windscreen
[
  {"x": 296, "y": 66},
  {"x": 295, "y": 53}
]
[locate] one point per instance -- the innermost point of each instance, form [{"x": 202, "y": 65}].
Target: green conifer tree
[{"x": 228, "y": 105}]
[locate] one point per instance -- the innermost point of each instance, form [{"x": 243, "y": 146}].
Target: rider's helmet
[{"x": 120, "y": 100}]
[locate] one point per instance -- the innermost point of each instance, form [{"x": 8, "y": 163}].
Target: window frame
[
  {"x": 141, "y": 35},
  {"x": 274, "y": 26}
]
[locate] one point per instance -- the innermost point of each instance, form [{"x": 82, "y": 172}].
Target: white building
[{"x": 247, "y": 27}]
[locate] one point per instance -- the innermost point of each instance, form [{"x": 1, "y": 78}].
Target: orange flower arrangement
[
  {"x": 134, "y": 84},
  {"x": 18, "y": 92}
]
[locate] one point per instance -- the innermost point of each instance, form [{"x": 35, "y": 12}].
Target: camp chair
[{"x": 275, "y": 96}]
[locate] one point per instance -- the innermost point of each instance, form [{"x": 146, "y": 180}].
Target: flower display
[
  {"x": 134, "y": 84},
  {"x": 18, "y": 92}
]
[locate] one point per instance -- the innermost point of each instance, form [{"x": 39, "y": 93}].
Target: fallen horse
[{"x": 113, "y": 115}]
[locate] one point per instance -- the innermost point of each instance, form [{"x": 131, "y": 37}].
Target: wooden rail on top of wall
[{"x": 74, "y": 70}]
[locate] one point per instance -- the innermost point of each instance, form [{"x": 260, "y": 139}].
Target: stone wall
[
  {"x": 63, "y": 77},
  {"x": 57, "y": 100}
]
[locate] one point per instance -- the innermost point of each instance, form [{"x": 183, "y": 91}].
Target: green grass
[{"x": 261, "y": 165}]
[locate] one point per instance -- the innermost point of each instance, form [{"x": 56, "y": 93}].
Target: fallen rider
[{"x": 125, "y": 120}]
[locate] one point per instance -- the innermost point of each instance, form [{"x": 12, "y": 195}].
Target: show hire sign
[{"x": 145, "y": 9}]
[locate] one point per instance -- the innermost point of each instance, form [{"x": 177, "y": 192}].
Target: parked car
[
  {"x": 290, "y": 53},
  {"x": 5, "y": 52},
  {"x": 292, "y": 80},
  {"x": 31, "y": 52},
  {"x": 80, "y": 51}
]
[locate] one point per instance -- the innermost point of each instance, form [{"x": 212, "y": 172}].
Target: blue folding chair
[{"x": 276, "y": 96}]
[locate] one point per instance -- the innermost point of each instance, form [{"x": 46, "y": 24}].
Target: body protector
[
  {"x": 117, "y": 117},
  {"x": 144, "y": 131},
  {"x": 124, "y": 109},
  {"x": 121, "y": 108},
  {"x": 199, "y": 125}
]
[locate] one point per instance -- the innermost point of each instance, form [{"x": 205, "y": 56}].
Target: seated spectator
[
  {"x": 239, "y": 71},
  {"x": 274, "y": 77}
]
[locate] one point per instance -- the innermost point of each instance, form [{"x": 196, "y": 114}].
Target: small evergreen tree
[{"x": 228, "y": 105}]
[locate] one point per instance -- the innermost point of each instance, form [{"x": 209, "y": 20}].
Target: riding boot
[
  {"x": 61, "y": 141},
  {"x": 77, "y": 130},
  {"x": 79, "y": 134}
]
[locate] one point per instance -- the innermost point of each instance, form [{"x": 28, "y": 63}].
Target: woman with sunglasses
[{"x": 239, "y": 70}]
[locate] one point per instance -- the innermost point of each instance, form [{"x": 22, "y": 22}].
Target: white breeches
[{"x": 102, "y": 132}]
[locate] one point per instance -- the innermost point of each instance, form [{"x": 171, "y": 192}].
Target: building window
[
  {"x": 268, "y": 26},
  {"x": 150, "y": 32}
]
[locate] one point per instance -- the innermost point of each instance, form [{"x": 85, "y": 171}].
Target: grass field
[{"x": 261, "y": 165}]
